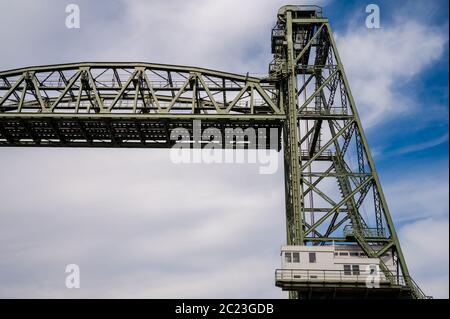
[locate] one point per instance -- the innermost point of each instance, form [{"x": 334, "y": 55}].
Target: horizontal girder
[
  {"x": 128, "y": 104},
  {"x": 148, "y": 130}
]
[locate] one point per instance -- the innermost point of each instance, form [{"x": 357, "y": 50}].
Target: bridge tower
[{"x": 333, "y": 193}]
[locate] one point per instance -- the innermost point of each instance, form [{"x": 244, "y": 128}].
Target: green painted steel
[
  {"x": 129, "y": 104},
  {"x": 328, "y": 184},
  {"x": 333, "y": 192}
]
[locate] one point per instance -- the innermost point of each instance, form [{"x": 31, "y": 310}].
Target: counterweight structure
[{"x": 333, "y": 193}]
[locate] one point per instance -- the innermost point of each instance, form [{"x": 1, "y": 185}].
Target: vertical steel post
[{"x": 294, "y": 189}]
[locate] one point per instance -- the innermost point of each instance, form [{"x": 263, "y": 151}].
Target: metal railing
[
  {"x": 302, "y": 9},
  {"x": 331, "y": 111},
  {"x": 326, "y": 154},
  {"x": 418, "y": 293},
  {"x": 108, "y": 83},
  {"x": 366, "y": 232},
  {"x": 336, "y": 276}
]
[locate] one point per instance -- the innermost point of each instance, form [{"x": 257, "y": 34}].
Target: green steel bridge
[{"x": 330, "y": 174}]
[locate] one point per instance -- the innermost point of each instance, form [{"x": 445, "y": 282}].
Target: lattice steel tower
[
  {"x": 333, "y": 194},
  {"x": 330, "y": 174}
]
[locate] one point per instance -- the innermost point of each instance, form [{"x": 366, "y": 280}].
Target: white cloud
[
  {"x": 422, "y": 146},
  {"x": 138, "y": 225},
  {"x": 419, "y": 205},
  {"x": 380, "y": 61},
  {"x": 421, "y": 194},
  {"x": 426, "y": 247},
  {"x": 160, "y": 230},
  {"x": 231, "y": 35}
]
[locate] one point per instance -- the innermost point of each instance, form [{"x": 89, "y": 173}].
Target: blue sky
[
  {"x": 411, "y": 148},
  {"x": 134, "y": 232},
  {"x": 420, "y": 138}
]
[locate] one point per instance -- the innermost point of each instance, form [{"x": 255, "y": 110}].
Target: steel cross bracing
[
  {"x": 127, "y": 104},
  {"x": 333, "y": 193}
]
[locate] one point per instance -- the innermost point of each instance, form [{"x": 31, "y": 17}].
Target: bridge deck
[{"x": 135, "y": 105}]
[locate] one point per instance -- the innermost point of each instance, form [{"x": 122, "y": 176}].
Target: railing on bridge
[
  {"x": 327, "y": 277},
  {"x": 366, "y": 232}
]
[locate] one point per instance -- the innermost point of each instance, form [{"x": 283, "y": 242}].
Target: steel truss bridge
[{"x": 333, "y": 193}]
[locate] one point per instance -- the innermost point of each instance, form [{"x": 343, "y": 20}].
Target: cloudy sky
[{"x": 141, "y": 226}]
